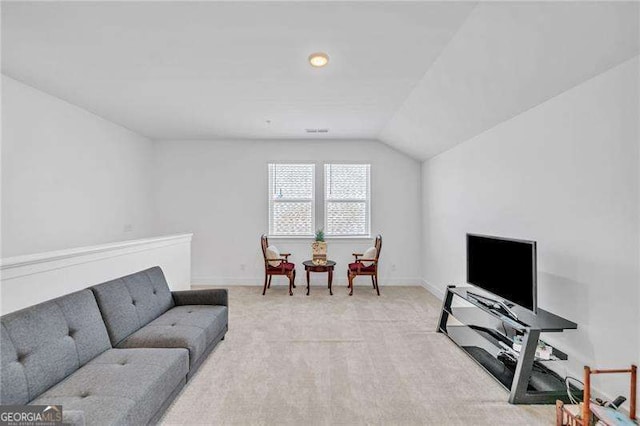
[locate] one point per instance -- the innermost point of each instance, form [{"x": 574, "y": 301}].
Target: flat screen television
[{"x": 504, "y": 267}]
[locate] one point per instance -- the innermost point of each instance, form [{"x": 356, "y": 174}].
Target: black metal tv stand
[
  {"x": 485, "y": 332},
  {"x": 494, "y": 304}
]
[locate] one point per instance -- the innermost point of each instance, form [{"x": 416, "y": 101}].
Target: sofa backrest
[
  {"x": 131, "y": 302},
  {"x": 42, "y": 344}
]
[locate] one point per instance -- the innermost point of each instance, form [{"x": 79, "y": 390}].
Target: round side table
[{"x": 309, "y": 266}]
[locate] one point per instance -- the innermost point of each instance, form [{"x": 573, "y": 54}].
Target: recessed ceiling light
[{"x": 319, "y": 59}]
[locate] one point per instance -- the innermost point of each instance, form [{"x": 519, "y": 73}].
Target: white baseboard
[
  {"x": 437, "y": 292},
  {"x": 301, "y": 280}
]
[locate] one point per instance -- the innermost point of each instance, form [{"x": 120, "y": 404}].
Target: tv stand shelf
[{"x": 481, "y": 332}]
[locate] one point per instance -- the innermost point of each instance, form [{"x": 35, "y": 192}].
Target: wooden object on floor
[
  {"x": 568, "y": 415},
  {"x": 588, "y": 372},
  {"x": 358, "y": 268},
  {"x": 311, "y": 266},
  {"x": 285, "y": 267},
  {"x": 565, "y": 417}
]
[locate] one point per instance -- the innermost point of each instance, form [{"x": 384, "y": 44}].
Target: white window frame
[
  {"x": 313, "y": 200},
  {"x": 367, "y": 202},
  {"x": 319, "y": 204}
]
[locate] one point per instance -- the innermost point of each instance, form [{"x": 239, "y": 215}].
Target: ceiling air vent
[{"x": 317, "y": 130}]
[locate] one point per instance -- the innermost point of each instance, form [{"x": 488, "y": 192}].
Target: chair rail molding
[{"x": 33, "y": 278}]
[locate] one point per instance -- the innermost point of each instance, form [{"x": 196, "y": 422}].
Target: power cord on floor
[{"x": 567, "y": 381}]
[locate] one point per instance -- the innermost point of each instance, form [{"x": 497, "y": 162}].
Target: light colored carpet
[{"x": 324, "y": 360}]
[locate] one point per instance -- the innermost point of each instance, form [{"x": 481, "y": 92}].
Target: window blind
[
  {"x": 347, "y": 200},
  {"x": 291, "y": 199}
]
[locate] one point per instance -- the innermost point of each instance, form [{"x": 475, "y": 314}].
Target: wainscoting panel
[{"x": 30, "y": 279}]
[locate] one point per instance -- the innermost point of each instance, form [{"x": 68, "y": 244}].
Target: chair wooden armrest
[
  {"x": 285, "y": 255},
  {"x": 357, "y": 255},
  {"x": 282, "y": 259},
  {"x": 366, "y": 260}
]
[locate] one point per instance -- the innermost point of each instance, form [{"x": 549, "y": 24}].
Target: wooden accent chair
[
  {"x": 285, "y": 267},
  {"x": 358, "y": 268}
]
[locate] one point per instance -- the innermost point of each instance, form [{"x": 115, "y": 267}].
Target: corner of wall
[{"x": 437, "y": 292}]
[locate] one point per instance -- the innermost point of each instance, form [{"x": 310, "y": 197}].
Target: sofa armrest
[{"x": 213, "y": 296}]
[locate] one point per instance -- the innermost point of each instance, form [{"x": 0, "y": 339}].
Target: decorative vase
[{"x": 319, "y": 250}]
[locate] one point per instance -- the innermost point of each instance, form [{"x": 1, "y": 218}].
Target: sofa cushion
[
  {"x": 121, "y": 386},
  {"x": 43, "y": 344},
  {"x": 193, "y": 327},
  {"x": 131, "y": 302},
  {"x": 14, "y": 389}
]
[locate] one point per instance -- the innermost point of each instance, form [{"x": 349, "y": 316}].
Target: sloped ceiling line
[
  {"x": 394, "y": 117},
  {"x": 506, "y": 59}
]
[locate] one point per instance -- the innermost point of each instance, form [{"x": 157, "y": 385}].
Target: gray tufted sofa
[{"x": 117, "y": 353}]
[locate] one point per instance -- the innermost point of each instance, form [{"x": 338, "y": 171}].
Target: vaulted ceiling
[
  {"x": 505, "y": 59},
  {"x": 420, "y": 76}
]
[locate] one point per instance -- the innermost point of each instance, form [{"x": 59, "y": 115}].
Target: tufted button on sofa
[{"x": 105, "y": 359}]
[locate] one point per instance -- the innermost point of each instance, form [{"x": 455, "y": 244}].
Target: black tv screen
[{"x": 504, "y": 267}]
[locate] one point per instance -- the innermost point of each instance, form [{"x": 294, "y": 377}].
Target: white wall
[
  {"x": 565, "y": 174},
  {"x": 218, "y": 191},
  {"x": 27, "y": 280},
  {"x": 69, "y": 178}
]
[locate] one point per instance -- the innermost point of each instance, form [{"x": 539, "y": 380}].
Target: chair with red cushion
[
  {"x": 278, "y": 265},
  {"x": 366, "y": 266}
]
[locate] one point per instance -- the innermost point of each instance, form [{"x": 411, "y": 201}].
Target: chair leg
[
  {"x": 269, "y": 284},
  {"x": 291, "y": 277},
  {"x": 294, "y": 278},
  {"x": 264, "y": 289},
  {"x": 377, "y": 286},
  {"x": 373, "y": 282},
  {"x": 350, "y": 284}
]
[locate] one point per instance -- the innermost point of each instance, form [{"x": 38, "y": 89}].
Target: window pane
[
  {"x": 346, "y": 218},
  {"x": 291, "y": 194},
  {"x": 346, "y": 181},
  {"x": 292, "y": 218},
  {"x": 291, "y": 181}
]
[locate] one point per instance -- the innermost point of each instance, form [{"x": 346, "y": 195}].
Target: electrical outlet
[{"x": 128, "y": 227}]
